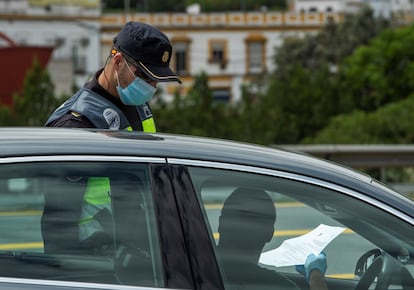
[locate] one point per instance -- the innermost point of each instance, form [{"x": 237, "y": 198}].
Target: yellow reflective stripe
[
  {"x": 97, "y": 190},
  {"x": 149, "y": 125},
  {"x": 86, "y": 220},
  {"x": 129, "y": 128}
]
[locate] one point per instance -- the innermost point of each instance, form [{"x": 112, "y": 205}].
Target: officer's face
[{"x": 137, "y": 72}]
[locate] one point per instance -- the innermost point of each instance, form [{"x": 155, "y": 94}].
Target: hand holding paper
[
  {"x": 295, "y": 251},
  {"x": 313, "y": 263}
]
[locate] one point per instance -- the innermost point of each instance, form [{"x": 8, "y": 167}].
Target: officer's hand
[{"x": 313, "y": 263}]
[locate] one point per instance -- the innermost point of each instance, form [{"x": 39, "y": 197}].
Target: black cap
[{"x": 149, "y": 48}]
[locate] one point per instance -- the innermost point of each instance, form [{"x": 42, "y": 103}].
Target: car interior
[
  {"x": 383, "y": 260},
  {"x": 50, "y": 205}
]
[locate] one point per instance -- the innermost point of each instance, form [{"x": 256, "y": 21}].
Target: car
[{"x": 101, "y": 209}]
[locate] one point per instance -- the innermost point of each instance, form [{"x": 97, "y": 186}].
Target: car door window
[
  {"x": 79, "y": 221},
  {"x": 249, "y": 214}
]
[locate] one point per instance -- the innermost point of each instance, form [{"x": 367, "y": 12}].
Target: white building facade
[
  {"x": 231, "y": 48},
  {"x": 386, "y": 8}
]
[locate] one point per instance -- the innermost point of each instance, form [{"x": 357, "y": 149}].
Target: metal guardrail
[{"x": 361, "y": 156}]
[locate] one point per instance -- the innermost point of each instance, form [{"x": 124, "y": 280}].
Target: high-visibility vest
[
  {"x": 96, "y": 198},
  {"x": 103, "y": 114}
]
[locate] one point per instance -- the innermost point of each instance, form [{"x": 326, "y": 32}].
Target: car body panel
[
  {"x": 57, "y": 141},
  {"x": 187, "y": 250}
]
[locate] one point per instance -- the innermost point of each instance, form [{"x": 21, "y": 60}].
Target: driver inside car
[{"x": 246, "y": 224}]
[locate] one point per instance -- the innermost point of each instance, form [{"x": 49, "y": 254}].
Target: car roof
[{"x": 16, "y": 141}]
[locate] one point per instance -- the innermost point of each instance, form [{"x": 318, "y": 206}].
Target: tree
[
  {"x": 390, "y": 124},
  {"x": 331, "y": 45},
  {"x": 6, "y": 116},
  {"x": 305, "y": 91},
  {"x": 36, "y": 101},
  {"x": 379, "y": 73},
  {"x": 196, "y": 113},
  {"x": 189, "y": 114},
  {"x": 298, "y": 106},
  {"x": 376, "y": 93}
]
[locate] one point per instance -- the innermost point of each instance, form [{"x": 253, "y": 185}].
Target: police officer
[{"x": 117, "y": 98}]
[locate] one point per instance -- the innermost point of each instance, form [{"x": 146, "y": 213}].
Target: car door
[
  {"x": 89, "y": 222},
  {"x": 253, "y": 217}
]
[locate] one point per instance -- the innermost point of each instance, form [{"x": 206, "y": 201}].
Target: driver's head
[{"x": 247, "y": 220}]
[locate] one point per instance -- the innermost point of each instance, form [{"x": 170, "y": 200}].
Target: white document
[{"x": 295, "y": 251}]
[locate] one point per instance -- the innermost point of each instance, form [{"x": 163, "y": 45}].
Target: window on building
[
  {"x": 218, "y": 51},
  {"x": 180, "y": 61},
  {"x": 221, "y": 95},
  {"x": 256, "y": 55},
  {"x": 78, "y": 60}
]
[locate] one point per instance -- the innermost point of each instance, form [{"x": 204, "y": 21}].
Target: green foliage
[
  {"x": 377, "y": 87},
  {"x": 196, "y": 113},
  {"x": 33, "y": 105},
  {"x": 333, "y": 43},
  {"x": 380, "y": 73},
  {"x": 6, "y": 116},
  {"x": 299, "y": 105},
  {"x": 391, "y": 124},
  {"x": 305, "y": 90}
]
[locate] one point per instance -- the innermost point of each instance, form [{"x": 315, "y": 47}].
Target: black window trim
[{"x": 205, "y": 269}]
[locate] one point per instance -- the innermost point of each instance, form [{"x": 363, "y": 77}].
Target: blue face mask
[{"x": 136, "y": 93}]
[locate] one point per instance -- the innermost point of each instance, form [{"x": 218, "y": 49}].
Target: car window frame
[
  {"x": 196, "y": 232},
  {"x": 176, "y": 272},
  {"x": 366, "y": 198}
]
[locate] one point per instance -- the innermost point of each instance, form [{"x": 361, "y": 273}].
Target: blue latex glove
[{"x": 313, "y": 262}]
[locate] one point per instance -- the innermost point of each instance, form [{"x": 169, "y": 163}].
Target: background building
[
  {"x": 232, "y": 48},
  {"x": 386, "y": 8},
  {"x": 73, "y": 30}
]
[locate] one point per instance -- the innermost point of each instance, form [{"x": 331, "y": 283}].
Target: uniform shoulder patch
[{"x": 112, "y": 118}]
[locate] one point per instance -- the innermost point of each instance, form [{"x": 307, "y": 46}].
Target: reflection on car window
[
  {"x": 239, "y": 209},
  {"x": 87, "y": 222}
]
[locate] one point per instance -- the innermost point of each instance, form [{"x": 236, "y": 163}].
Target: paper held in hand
[{"x": 295, "y": 251}]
